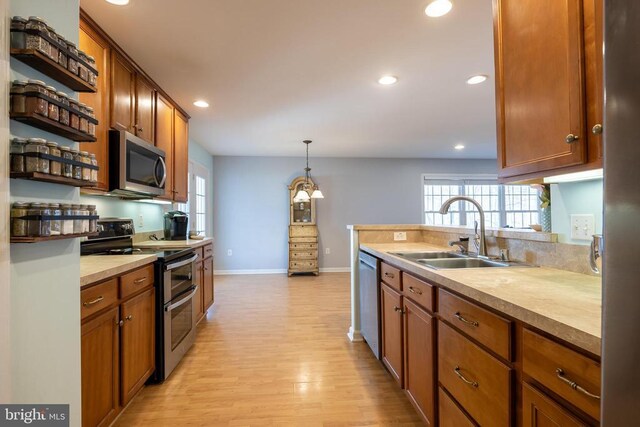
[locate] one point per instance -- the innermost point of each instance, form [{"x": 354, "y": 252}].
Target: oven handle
[
  {"x": 183, "y": 300},
  {"x": 181, "y": 263}
]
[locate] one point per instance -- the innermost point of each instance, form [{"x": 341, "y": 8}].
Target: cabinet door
[
  {"x": 593, "y": 41},
  {"x": 164, "y": 140},
  {"x": 99, "y": 359},
  {"x": 96, "y": 46},
  {"x": 180, "y": 157},
  {"x": 122, "y": 93},
  {"x": 138, "y": 343},
  {"x": 208, "y": 282},
  {"x": 198, "y": 298},
  {"x": 145, "y": 109},
  {"x": 391, "y": 314},
  {"x": 419, "y": 365},
  {"x": 539, "y": 83},
  {"x": 539, "y": 410}
]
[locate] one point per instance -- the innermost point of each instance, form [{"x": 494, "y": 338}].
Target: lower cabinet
[
  {"x": 204, "y": 279},
  {"x": 207, "y": 291},
  {"x": 117, "y": 346},
  {"x": 100, "y": 349},
  {"x": 419, "y": 372},
  {"x": 450, "y": 414},
  {"x": 198, "y": 310},
  {"x": 391, "y": 317},
  {"x": 539, "y": 410}
]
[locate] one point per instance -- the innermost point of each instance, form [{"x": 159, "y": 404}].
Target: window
[
  {"x": 197, "y": 202},
  {"x": 515, "y": 206}
]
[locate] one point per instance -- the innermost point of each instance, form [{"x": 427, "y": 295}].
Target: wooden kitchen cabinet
[
  {"x": 100, "y": 355},
  {"x": 391, "y": 317},
  {"x": 539, "y": 410},
  {"x": 164, "y": 139},
  {"x": 207, "y": 292},
  {"x": 548, "y": 86},
  {"x": 180, "y": 157},
  {"x": 123, "y": 79},
  {"x": 92, "y": 43},
  {"x": 145, "y": 103},
  {"x": 419, "y": 372},
  {"x": 138, "y": 343},
  {"x": 198, "y": 310}
]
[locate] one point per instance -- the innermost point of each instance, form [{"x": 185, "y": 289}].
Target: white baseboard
[{"x": 276, "y": 271}]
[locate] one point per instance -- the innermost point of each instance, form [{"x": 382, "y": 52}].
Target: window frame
[{"x": 197, "y": 169}]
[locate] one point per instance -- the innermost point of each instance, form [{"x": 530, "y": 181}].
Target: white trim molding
[{"x": 276, "y": 271}]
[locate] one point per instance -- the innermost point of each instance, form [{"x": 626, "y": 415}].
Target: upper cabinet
[
  {"x": 548, "y": 59},
  {"x": 129, "y": 100}
]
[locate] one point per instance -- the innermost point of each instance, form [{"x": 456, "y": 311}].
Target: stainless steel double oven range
[{"x": 174, "y": 275}]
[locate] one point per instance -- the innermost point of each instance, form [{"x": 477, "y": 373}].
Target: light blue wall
[
  {"x": 575, "y": 198},
  {"x": 251, "y": 207},
  {"x": 152, "y": 215}
]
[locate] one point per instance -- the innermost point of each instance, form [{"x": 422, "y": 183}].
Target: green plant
[{"x": 544, "y": 194}]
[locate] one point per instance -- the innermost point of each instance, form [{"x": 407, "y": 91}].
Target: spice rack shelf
[
  {"x": 45, "y": 177},
  {"x": 39, "y": 61},
  {"x": 49, "y": 125},
  {"x": 47, "y": 238}
]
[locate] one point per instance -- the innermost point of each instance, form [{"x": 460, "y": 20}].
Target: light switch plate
[
  {"x": 583, "y": 227},
  {"x": 400, "y": 235}
]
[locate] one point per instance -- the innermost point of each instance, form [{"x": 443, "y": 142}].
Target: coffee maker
[{"x": 175, "y": 225}]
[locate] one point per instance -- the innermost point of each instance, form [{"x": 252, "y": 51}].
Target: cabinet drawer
[
  {"x": 98, "y": 297},
  {"x": 207, "y": 251},
  {"x": 450, "y": 414},
  {"x": 304, "y": 254},
  {"x": 296, "y": 240},
  {"x": 303, "y": 264},
  {"x": 136, "y": 281},
  {"x": 477, "y": 380},
  {"x": 556, "y": 367},
  {"x": 391, "y": 276},
  {"x": 480, "y": 324},
  {"x": 303, "y": 246},
  {"x": 419, "y": 291},
  {"x": 303, "y": 231},
  {"x": 539, "y": 410},
  {"x": 200, "y": 252}
]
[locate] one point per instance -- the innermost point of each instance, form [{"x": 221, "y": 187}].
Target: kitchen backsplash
[{"x": 146, "y": 216}]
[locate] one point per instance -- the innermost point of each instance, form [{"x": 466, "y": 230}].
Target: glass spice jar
[
  {"x": 84, "y": 211},
  {"x": 18, "y": 98},
  {"x": 40, "y": 224},
  {"x": 72, "y": 64},
  {"x": 54, "y": 49},
  {"x": 64, "y": 110},
  {"x": 18, "y": 36},
  {"x": 62, "y": 55},
  {"x": 77, "y": 168},
  {"x": 56, "y": 219},
  {"x": 17, "y": 157},
  {"x": 74, "y": 118},
  {"x": 67, "y": 224},
  {"x": 67, "y": 168},
  {"x": 55, "y": 167},
  {"x": 94, "y": 172},
  {"x": 93, "y": 222},
  {"x": 86, "y": 172},
  {"x": 36, "y": 164},
  {"x": 92, "y": 76},
  {"x": 91, "y": 127},
  {"x": 35, "y": 41},
  {"x": 83, "y": 72},
  {"x": 84, "y": 123},
  {"x": 77, "y": 222},
  {"x": 34, "y": 103},
  {"x": 19, "y": 226},
  {"x": 54, "y": 109}
]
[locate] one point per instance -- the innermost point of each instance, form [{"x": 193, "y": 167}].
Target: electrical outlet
[
  {"x": 327, "y": 251},
  {"x": 229, "y": 252},
  {"x": 583, "y": 227},
  {"x": 140, "y": 221},
  {"x": 400, "y": 235}
]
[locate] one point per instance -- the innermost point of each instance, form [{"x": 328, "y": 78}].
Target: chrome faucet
[
  {"x": 444, "y": 209},
  {"x": 462, "y": 243}
]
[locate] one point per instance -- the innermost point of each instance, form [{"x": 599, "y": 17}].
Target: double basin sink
[{"x": 447, "y": 260}]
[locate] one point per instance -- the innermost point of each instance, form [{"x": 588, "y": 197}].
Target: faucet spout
[{"x": 444, "y": 209}]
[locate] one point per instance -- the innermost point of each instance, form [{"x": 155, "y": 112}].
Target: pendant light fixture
[{"x": 308, "y": 191}]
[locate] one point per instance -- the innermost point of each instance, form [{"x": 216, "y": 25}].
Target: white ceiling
[{"x": 279, "y": 71}]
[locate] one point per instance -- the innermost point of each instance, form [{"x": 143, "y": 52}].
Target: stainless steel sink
[
  {"x": 462, "y": 263},
  {"x": 417, "y": 256}
]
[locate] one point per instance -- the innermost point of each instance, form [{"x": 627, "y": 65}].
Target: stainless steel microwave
[{"x": 137, "y": 169}]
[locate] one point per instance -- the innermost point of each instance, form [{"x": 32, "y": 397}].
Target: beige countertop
[
  {"x": 189, "y": 243},
  {"x": 564, "y": 304},
  {"x": 95, "y": 268}
]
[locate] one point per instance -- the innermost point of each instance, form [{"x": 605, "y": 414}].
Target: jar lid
[
  {"x": 52, "y": 144},
  {"x": 19, "y": 18},
  {"x": 92, "y": 155},
  {"x": 19, "y": 83},
  {"x": 54, "y": 205},
  {"x": 37, "y": 141},
  {"x": 36, "y": 82},
  {"x": 37, "y": 205},
  {"x": 71, "y": 44},
  {"x": 83, "y": 206},
  {"x": 82, "y": 104},
  {"x": 74, "y": 101},
  {"x": 37, "y": 18},
  {"x": 66, "y": 205},
  {"x": 18, "y": 140},
  {"x": 89, "y": 108},
  {"x": 51, "y": 89},
  {"x": 91, "y": 58},
  {"x": 63, "y": 148},
  {"x": 62, "y": 94},
  {"x": 84, "y": 153},
  {"x": 20, "y": 204},
  {"x": 92, "y": 207}
]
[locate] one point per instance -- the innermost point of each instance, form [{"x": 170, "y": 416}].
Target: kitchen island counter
[{"x": 172, "y": 244}]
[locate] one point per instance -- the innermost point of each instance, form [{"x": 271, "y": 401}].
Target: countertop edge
[
  {"x": 506, "y": 233},
  {"x": 562, "y": 331},
  {"x": 190, "y": 243},
  {"x": 101, "y": 275}
]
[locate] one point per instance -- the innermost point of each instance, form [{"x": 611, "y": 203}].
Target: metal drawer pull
[
  {"x": 389, "y": 275},
  {"x": 129, "y": 317},
  {"x": 95, "y": 301},
  {"x": 561, "y": 375},
  {"x": 414, "y": 290},
  {"x": 138, "y": 281},
  {"x": 468, "y": 322},
  {"x": 571, "y": 138},
  {"x": 459, "y": 374},
  {"x": 399, "y": 309}
]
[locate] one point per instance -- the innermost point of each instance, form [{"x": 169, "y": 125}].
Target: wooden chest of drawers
[{"x": 303, "y": 249}]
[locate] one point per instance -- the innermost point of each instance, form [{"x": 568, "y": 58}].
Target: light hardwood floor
[{"x": 273, "y": 351}]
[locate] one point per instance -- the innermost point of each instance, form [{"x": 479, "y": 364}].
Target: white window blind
[{"x": 514, "y": 206}]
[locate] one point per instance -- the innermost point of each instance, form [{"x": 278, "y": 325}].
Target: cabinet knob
[
  {"x": 120, "y": 322},
  {"x": 399, "y": 309},
  {"x": 596, "y": 129},
  {"x": 571, "y": 138},
  {"x": 129, "y": 318}
]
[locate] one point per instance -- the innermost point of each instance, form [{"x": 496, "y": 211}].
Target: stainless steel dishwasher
[{"x": 369, "y": 269}]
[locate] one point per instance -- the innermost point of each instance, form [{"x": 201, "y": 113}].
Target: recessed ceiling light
[
  {"x": 200, "y": 103},
  {"x": 459, "y": 147},
  {"x": 118, "y": 2},
  {"x": 474, "y": 80},
  {"x": 387, "y": 80},
  {"x": 438, "y": 8}
]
